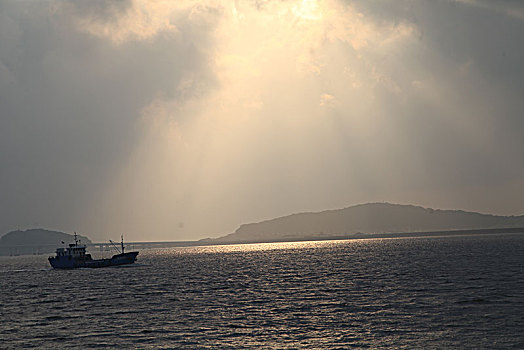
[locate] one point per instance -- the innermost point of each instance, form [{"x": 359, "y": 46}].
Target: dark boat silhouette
[{"x": 75, "y": 256}]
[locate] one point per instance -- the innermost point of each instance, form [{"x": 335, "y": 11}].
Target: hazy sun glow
[
  {"x": 285, "y": 72},
  {"x": 282, "y": 69},
  {"x": 201, "y": 115},
  {"x": 308, "y": 9}
]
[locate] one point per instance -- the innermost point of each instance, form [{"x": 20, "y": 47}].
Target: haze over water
[{"x": 443, "y": 292}]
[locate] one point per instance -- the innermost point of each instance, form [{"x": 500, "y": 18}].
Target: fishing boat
[{"x": 74, "y": 256}]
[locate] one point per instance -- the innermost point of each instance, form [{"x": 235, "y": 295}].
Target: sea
[{"x": 454, "y": 292}]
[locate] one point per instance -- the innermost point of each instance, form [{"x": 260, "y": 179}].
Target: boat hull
[{"x": 68, "y": 262}]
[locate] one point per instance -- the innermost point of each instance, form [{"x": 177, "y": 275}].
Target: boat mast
[
  {"x": 76, "y": 239},
  {"x": 122, "y": 243}
]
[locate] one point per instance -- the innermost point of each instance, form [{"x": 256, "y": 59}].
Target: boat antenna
[{"x": 114, "y": 245}]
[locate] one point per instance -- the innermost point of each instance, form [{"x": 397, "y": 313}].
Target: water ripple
[{"x": 449, "y": 292}]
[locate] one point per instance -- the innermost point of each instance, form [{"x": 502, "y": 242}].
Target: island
[
  {"x": 371, "y": 220},
  {"x": 35, "y": 241}
]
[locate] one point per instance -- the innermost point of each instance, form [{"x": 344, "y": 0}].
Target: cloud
[
  {"x": 138, "y": 20},
  {"x": 71, "y": 104},
  {"x": 327, "y": 100},
  {"x": 134, "y": 117},
  {"x": 512, "y": 9}
]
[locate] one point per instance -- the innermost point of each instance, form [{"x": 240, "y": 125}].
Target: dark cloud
[
  {"x": 472, "y": 51},
  {"x": 106, "y": 11},
  {"x": 70, "y": 103}
]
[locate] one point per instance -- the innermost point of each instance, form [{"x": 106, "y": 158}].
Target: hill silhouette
[
  {"x": 35, "y": 241},
  {"x": 371, "y": 218}
]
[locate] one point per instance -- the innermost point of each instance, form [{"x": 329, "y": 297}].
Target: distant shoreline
[
  {"x": 470, "y": 232},
  {"x": 104, "y": 246}
]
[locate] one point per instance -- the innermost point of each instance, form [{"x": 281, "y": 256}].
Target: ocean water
[{"x": 410, "y": 293}]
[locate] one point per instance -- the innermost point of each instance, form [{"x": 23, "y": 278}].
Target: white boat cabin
[{"x": 73, "y": 250}]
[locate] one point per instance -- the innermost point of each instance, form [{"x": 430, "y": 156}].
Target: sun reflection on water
[{"x": 248, "y": 247}]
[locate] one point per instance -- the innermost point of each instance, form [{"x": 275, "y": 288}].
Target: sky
[{"x": 180, "y": 120}]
